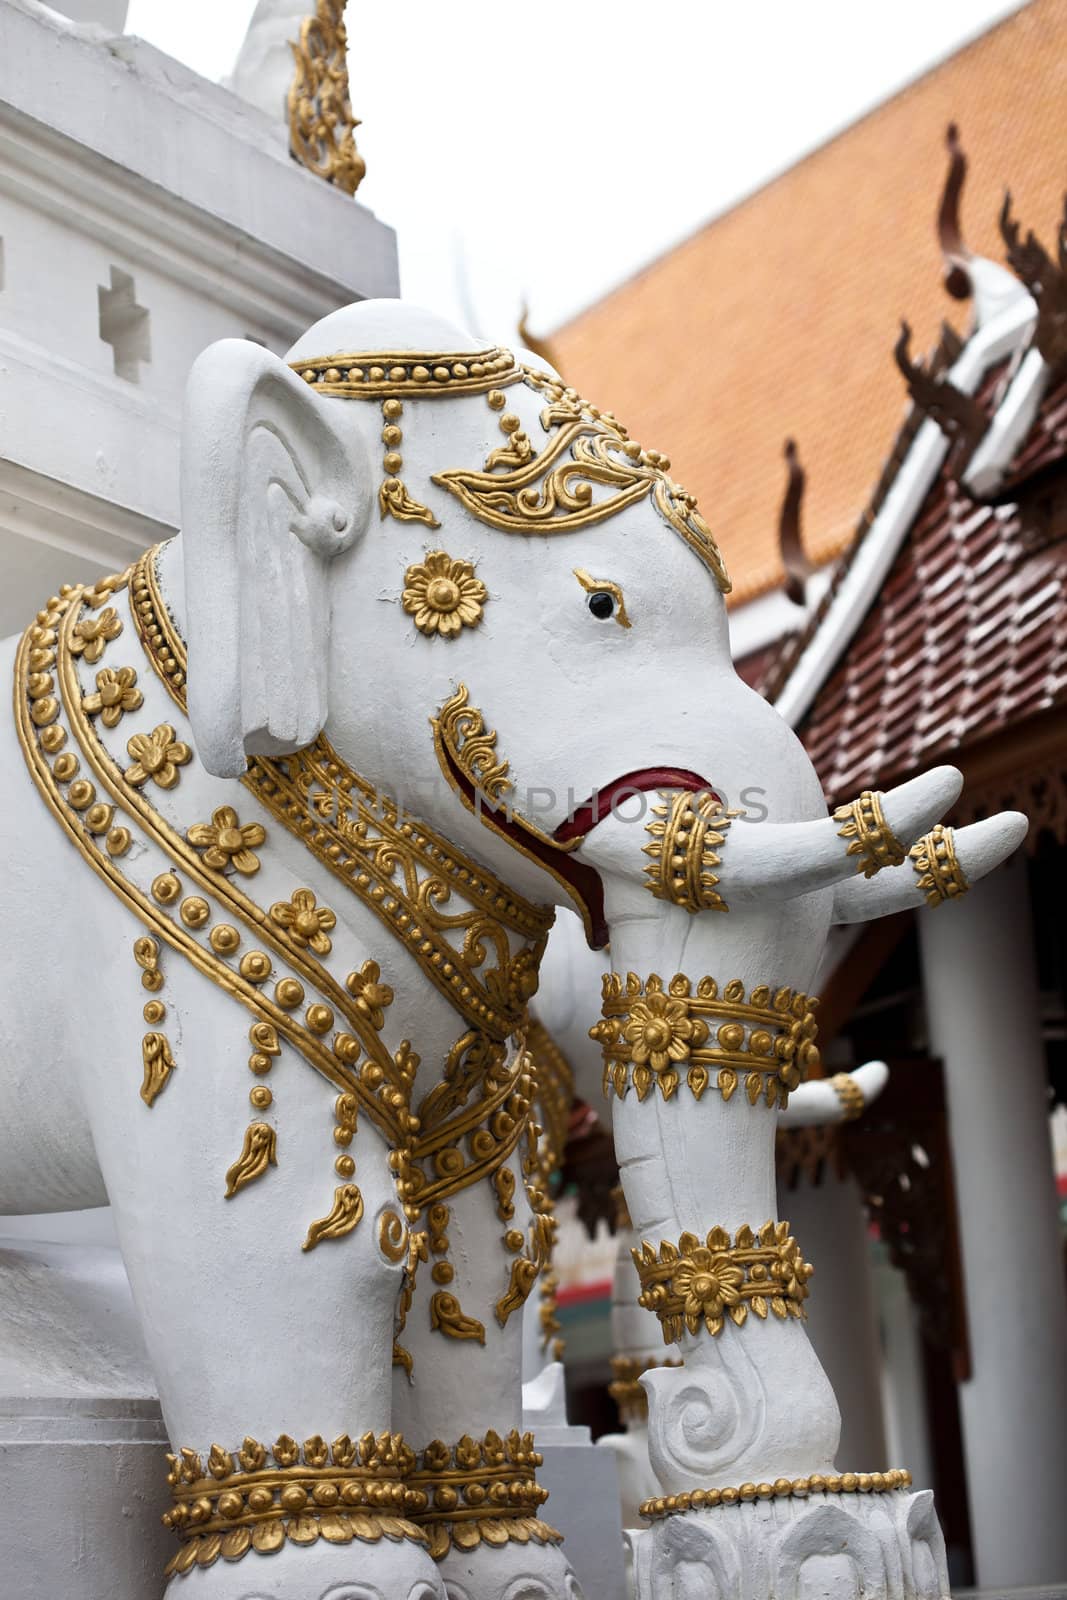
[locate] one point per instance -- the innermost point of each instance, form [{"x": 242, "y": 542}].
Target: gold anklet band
[
  {"x": 480, "y": 1489},
  {"x": 692, "y": 1283},
  {"x": 781, "y": 1489},
  {"x": 869, "y": 836},
  {"x": 263, "y": 1495}
]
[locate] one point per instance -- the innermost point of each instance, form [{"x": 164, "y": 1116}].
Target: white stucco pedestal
[{"x": 81, "y": 1437}]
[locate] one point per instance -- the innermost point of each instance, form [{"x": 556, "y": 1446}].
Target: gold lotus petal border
[
  {"x": 480, "y": 1490},
  {"x": 937, "y": 869},
  {"x": 260, "y": 1496}
]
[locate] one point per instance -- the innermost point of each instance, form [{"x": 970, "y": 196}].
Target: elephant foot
[
  {"x": 388, "y": 1570},
  {"x": 509, "y": 1572}
]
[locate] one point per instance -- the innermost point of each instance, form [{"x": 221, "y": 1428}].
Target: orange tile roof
[{"x": 779, "y": 317}]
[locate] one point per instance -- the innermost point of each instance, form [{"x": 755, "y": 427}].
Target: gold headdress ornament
[{"x": 588, "y": 469}]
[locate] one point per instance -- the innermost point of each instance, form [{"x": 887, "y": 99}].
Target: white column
[
  {"x": 830, "y": 1222},
  {"x": 980, "y": 984}
]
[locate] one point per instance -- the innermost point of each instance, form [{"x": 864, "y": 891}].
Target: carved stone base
[{"x": 829, "y": 1546}]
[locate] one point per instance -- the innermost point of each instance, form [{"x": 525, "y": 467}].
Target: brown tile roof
[
  {"x": 966, "y": 638},
  {"x": 779, "y": 317}
]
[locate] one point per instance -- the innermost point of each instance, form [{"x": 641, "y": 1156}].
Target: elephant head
[{"x": 503, "y": 612}]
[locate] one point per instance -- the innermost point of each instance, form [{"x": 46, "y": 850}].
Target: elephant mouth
[{"x": 646, "y": 780}]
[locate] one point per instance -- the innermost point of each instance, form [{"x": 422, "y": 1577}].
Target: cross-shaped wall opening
[{"x": 124, "y": 325}]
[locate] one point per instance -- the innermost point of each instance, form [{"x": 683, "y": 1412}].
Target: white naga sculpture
[{"x": 271, "y": 945}]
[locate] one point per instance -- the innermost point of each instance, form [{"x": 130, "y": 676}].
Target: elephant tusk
[
  {"x": 777, "y": 861},
  {"x": 838, "y": 1099},
  {"x": 941, "y": 866}
]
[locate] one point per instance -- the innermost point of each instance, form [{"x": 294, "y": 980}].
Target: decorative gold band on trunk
[
  {"x": 868, "y": 835},
  {"x": 937, "y": 868},
  {"x": 480, "y": 1490},
  {"x": 690, "y": 1283},
  {"x": 687, "y": 832},
  {"x": 262, "y": 1496},
  {"x": 653, "y": 1032}
]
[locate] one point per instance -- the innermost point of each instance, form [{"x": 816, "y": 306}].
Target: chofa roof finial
[
  {"x": 954, "y": 252},
  {"x": 533, "y": 342},
  {"x": 321, "y": 124},
  {"x": 798, "y": 567}
]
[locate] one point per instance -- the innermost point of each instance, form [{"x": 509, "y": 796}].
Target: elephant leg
[
  {"x": 462, "y": 1403},
  {"x": 267, "y": 1283}
]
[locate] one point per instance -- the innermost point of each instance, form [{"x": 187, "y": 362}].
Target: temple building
[{"x": 917, "y": 617}]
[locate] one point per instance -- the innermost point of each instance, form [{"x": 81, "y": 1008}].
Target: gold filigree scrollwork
[
  {"x": 780, "y": 1489},
  {"x": 480, "y": 1489},
  {"x": 393, "y": 497},
  {"x": 442, "y": 595},
  {"x": 321, "y": 124},
  {"x": 259, "y": 1151},
  {"x": 687, "y": 832},
  {"x": 460, "y": 728},
  {"x": 518, "y": 449},
  {"x": 653, "y": 1032},
  {"x": 343, "y": 1216},
  {"x": 259, "y": 1496},
  {"x": 401, "y": 870},
  {"x": 939, "y": 875},
  {"x": 868, "y": 835},
  {"x": 556, "y": 489},
  {"x": 448, "y": 1317},
  {"x": 692, "y": 1284},
  {"x": 158, "y": 1062},
  {"x": 526, "y": 1269}
]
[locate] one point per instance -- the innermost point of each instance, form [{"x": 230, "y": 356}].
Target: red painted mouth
[{"x": 599, "y": 805}]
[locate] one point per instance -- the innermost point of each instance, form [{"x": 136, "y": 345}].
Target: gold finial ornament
[
  {"x": 321, "y": 124},
  {"x": 780, "y": 1489},
  {"x": 443, "y": 596},
  {"x": 937, "y": 868},
  {"x": 693, "y": 1283},
  {"x": 687, "y": 832},
  {"x": 868, "y": 835},
  {"x": 654, "y": 1031}
]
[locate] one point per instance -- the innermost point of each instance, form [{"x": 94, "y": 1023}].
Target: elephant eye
[{"x": 604, "y": 598}]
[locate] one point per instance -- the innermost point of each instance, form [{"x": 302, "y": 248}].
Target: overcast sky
[{"x": 551, "y": 150}]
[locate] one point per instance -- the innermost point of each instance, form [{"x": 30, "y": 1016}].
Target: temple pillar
[
  {"x": 980, "y": 981},
  {"x": 831, "y": 1219}
]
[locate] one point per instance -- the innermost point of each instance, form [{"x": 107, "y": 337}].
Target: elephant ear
[{"x": 275, "y": 482}]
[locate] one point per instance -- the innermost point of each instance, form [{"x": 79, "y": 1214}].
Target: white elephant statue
[{"x": 286, "y": 809}]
